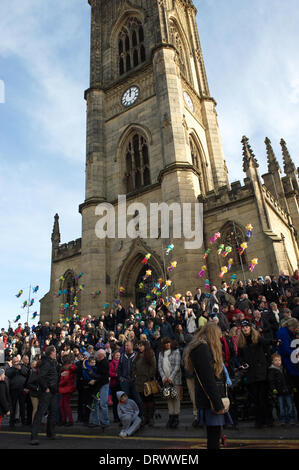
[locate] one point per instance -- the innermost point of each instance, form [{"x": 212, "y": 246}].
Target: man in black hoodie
[{"x": 48, "y": 382}]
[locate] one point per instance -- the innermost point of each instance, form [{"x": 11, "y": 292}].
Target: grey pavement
[{"x": 158, "y": 436}]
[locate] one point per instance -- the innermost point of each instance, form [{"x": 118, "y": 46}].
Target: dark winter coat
[
  {"x": 102, "y": 373},
  {"x": 278, "y": 380},
  {"x": 33, "y": 384},
  {"x": 253, "y": 354},
  {"x": 211, "y": 388},
  {"x": 143, "y": 371},
  {"x": 271, "y": 292},
  {"x": 48, "y": 375},
  {"x": 166, "y": 330},
  {"x": 126, "y": 366},
  {"x": 17, "y": 378},
  {"x": 4, "y": 398}
]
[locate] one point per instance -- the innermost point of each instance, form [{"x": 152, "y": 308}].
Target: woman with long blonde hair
[{"x": 204, "y": 359}]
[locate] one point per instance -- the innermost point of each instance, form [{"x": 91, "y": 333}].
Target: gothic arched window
[
  {"x": 199, "y": 163},
  {"x": 232, "y": 235},
  {"x": 137, "y": 162},
  {"x": 131, "y": 45},
  {"x": 176, "y": 40}
]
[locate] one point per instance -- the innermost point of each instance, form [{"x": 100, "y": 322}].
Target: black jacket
[
  {"x": 271, "y": 292},
  {"x": 48, "y": 375},
  {"x": 110, "y": 322},
  {"x": 202, "y": 360},
  {"x": 4, "y": 398},
  {"x": 17, "y": 378},
  {"x": 121, "y": 315},
  {"x": 278, "y": 380},
  {"x": 102, "y": 373},
  {"x": 33, "y": 384},
  {"x": 253, "y": 354}
]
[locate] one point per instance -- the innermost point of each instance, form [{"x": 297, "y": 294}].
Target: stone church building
[{"x": 153, "y": 135}]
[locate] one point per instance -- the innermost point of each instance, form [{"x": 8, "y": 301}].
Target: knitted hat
[
  {"x": 245, "y": 323},
  {"x": 2, "y": 371}
]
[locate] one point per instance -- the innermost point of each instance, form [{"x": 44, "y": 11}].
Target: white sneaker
[{"x": 123, "y": 434}]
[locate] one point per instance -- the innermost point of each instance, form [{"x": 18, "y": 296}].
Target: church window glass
[
  {"x": 131, "y": 45},
  {"x": 137, "y": 163},
  {"x": 232, "y": 235}
]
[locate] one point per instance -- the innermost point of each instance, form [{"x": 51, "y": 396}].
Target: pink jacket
[{"x": 113, "y": 373}]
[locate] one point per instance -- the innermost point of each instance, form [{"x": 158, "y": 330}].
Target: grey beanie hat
[{"x": 2, "y": 371}]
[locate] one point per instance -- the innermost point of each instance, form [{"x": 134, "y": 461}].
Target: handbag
[
  {"x": 225, "y": 400},
  {"x": 168, "y": 392},
  {"x": 151, "y": 387}
]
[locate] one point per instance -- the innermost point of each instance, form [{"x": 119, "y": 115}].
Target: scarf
[{"x": 166, "y": 363}]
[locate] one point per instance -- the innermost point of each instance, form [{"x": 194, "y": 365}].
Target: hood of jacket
[{"x": 120, "y": 394}]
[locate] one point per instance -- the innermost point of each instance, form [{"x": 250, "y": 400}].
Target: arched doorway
[
  {"x": 141, "y": 296},
  {"x": 132, "y": 271}
]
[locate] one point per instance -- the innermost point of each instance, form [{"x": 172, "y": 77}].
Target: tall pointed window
[
  {"x": 199, "y": 163},
  {"x": 176, "y": 40},
  {"x": 131, "y": 47},
  {"x": 232, "y": 235},
  {"x": 137, "y": 163}
]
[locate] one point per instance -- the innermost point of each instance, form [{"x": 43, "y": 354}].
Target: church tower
[
  {"x": 153, "y": 138},
  {"x": 152, "y": 135}
]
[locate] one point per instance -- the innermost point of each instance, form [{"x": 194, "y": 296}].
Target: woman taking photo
[
  {"x": 169, "y": 366},
  {"x": 145, "y": 368},
  {"x": 204, "y": 359}
]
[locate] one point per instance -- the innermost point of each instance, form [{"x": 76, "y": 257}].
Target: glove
[{"x": 275, "y": 391}]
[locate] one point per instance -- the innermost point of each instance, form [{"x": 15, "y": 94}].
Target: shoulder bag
[
  {"x": 151, "y": 387},
  {"x": 225, "y": 400}
]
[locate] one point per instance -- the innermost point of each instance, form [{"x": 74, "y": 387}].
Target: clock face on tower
[
  {"x": 188, "y": 101},
  {"x": 130, "y": 96}
]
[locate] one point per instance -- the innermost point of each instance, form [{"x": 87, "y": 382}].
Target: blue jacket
[
  {"x": 88, "y": 372},
  {"x": 285, "y": 350}
]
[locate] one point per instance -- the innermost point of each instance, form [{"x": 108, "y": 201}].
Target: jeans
[
  {"x": 17, "y": 396},
  {"x": 103, "y": 405},
  {"x": 259, "y": 396},
  {"x": 47, "y": 401},
  {"x": 286, "y": 409},
  {"x": 128, "y": 386}
]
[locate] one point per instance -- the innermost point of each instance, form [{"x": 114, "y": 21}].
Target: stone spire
[
  {"x": 55, "y": 238},
  {"x": 249, "y": 159},
  {"x": 273, "y": 165},
  {"x": 288, "y": 164}
]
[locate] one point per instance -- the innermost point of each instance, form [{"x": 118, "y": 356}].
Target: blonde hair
[
  {"x": 233, "y": 331},
  {"x": 242, "y": 338},
  {"x": 291, "y": 323},
  {"x": 210, "y": 333}
]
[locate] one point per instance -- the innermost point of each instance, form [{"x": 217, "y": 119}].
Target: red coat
[{"x": 67, "y": 381}]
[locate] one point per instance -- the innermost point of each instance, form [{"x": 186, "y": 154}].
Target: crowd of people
[{"x": 108, "y": 358}]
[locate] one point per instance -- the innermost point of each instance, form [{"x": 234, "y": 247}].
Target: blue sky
[{"x": 251, "y": 55}]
